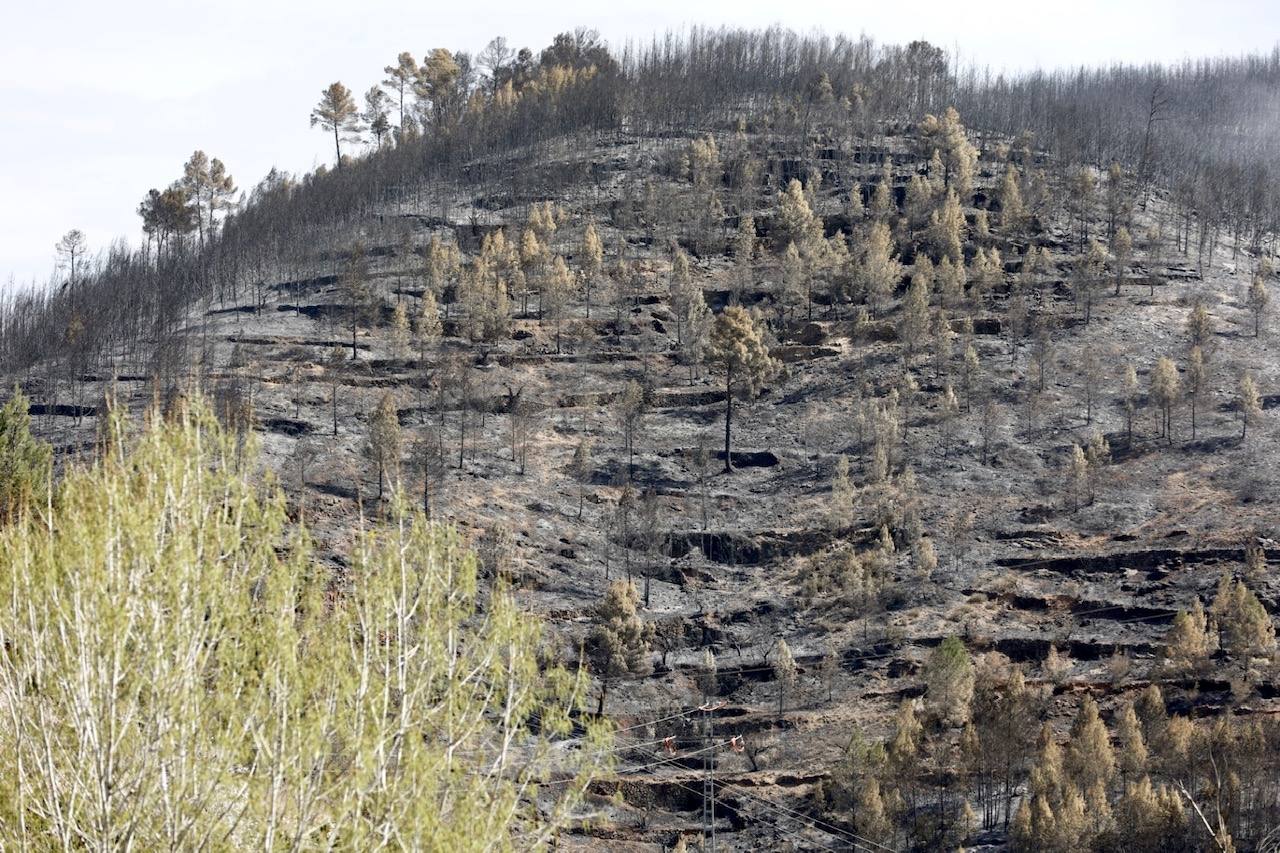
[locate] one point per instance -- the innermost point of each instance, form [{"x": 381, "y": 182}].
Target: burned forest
[{"x": 737, "y": 440}]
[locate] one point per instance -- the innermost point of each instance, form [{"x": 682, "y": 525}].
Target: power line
[
  {"x": 816, "y": 822},
  {"x": 640, "y": 768},
  {"x": 782, "y": 829}
]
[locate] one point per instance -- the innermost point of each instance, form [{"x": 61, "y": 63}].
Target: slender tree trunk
[{"x": 728, "y": 417}]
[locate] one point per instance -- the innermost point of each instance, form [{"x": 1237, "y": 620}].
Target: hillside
[{"x": 946, "y": 447}]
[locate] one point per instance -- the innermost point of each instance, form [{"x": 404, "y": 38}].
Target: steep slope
[{"x": 735, "y": 562}]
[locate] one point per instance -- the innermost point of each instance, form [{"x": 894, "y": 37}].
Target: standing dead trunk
[{"x": 728, "y": 417}]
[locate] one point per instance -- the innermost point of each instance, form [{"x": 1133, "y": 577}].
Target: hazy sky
[{"x": 105, "y": 100}]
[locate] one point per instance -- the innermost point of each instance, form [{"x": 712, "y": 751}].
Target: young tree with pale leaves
[{"x": 213, "y": 652}]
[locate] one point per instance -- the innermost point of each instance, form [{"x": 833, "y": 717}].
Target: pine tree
[
  {"x": 580, "y": 469},
  {"x": 1090, "y": 758},
  {"x": 828, "y": 669},
  {"x": 1129, "y": 398},
  {"x": 981, "y": 226},
  {"x": 924, "y": 557},
  {"x": 704, "y": 161},
  {"x": 533, "y": 260},
  {"x": 384, "y": 442},
  {"x": 987, "y": 274},
  {"x": 1121, "y": 249},
  {"x": 333, "y": 369},
  {"x": 796, "y": 222},
  {"x": 947, "y": 229},
  {"x": 904, "y": 746},
  {"x": 882, "y": 203},
  {"x": 947, "y": 135},
  {"x": 795, "y": 279},
  {"x": 785, "y": 673},
  {"x": 354, "y": 285},
  {"x": 375, "y": 114},
  {"x": 337, "y": 113},
  {"x": 919, "y": 204},
  {"x": 737, "y": 348},
  {"x": 1148, "y": 819},
  {"x": 1164, "y": 393},
  {"x": 1248, "y": 403},
  {"x": 400, "y": 80},
  {"x": 1197, "y": 378},
  {"x": 870, "y": 816},
  {"x": 1013, "y": 212},
  {"x": 1077, "y": 478},
  {"x": 855, "y": 211},
  {"x": 400, "y": 331},
  {"x": 557, "y": 289},
  {"x": 948, "y": 411},
  {"x": 707, "y": 680},
  {"x": 485, "y": 300},
  {"x": 71, "y": 250},
  {"x": 940, "y": 336},
  {"x": 937, "y": 174},
  {"x": 592, "y": 261},
  {"x": 951, "y": 280},
  {"x": 435, "y": 86},
  {"x": 442, "y": 263},
  {"x": 697, "y": 328},
  {"x": 842, "y": 495},
  {"x": 1200, "y": 326},
  {"x": 1257, "y": 301},
  {"x": 630, "y": 409},
  {"x": 879, "y": 270},
  {"x": 1022, "y": 832},
  {"x": 914, "y": 327},
  {"x": 1150, "y": 709},
  {"x": 949, "y": 676},
  {"x": 618, "y": 644},
  {"x": 1089, "y": 276},
  {"x": 1133, "y": 748},
  {"x": 427, "y": 327},
  {"x": 1055, "y": 667},
  {"x": 1082, "y": 191},
  {"x": 744, "y": 241},
  {"x": 1189, "y": 641},
  {"x": 1255, "y": 562},
  {"x": 1247, "y": 631},
  {"x": 1118, "y": 206}
]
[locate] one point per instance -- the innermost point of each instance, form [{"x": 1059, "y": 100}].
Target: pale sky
[{"x": 106, "y": 100}]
